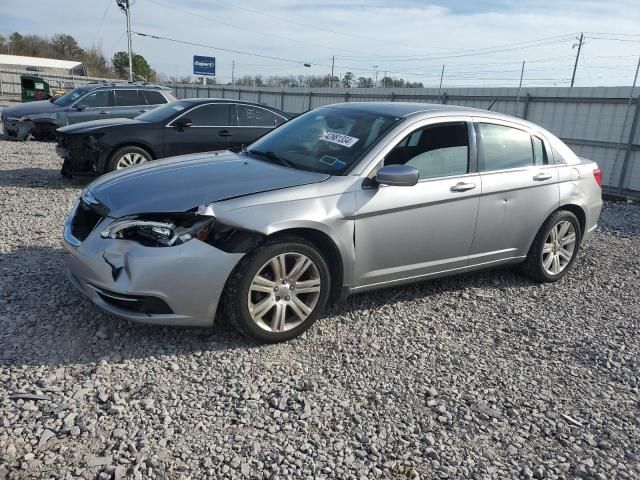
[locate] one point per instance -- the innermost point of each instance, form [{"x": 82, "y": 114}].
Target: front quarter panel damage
[{"x": 331, "y": 215}]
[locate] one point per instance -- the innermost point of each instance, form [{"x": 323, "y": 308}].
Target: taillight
[{"x": 597, "y": 174}]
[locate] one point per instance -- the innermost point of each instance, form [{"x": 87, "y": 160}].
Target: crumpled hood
[
  {"x": 181, "y": 183},
  {"x": 30, "y": 108},
  {"x": 95, "y": 124}
]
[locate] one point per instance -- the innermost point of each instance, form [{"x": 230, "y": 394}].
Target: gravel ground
[{"x": 482, "y": 376}]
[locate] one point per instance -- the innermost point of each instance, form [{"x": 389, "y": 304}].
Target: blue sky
[{"x": 410, "y": 38}]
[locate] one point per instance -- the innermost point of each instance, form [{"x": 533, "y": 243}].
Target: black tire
[
  {"x": 235, "y": 299},
  {"x": 533, "y": 265},
  {"x": 113, "y": 160}
]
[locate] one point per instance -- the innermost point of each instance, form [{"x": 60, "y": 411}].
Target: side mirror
[
  {"x": 398, "y": 175},
  {"x": 79, "y": 107},
  {"x": 182, "y": 123}
]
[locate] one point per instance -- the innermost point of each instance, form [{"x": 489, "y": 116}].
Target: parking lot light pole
[{"x": 125, "y": 6}]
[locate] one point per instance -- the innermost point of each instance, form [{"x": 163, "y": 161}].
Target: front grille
[
  {"x": 134, "y": 303},
  {"x": 84, "y": 221}
]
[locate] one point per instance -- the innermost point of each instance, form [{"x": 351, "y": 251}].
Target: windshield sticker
[
  {"x": 333, "y": 162},
  {"x": 329, "y": 160},
  {"x": 340, "y": 139},
  {"x": 177, "y": 107},
  {"x": 74, "y": 95}
]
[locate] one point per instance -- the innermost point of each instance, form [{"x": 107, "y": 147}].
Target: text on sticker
[{"x": 340, "y": 139}]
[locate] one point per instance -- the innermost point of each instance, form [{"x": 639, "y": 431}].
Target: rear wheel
[
  {"x": 278, "y": 291},
  {"x": 555, "y": 248},
  {"x": 127, "y": 157}
]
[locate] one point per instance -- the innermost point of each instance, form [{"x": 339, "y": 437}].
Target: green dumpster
[{"x": 34, "y": 88}]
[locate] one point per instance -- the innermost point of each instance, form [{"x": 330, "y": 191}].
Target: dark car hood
[
  {"x": 96, "y": 124},
  {"x": 182, "y": 183},
  {"x": 41, "y": 106}
]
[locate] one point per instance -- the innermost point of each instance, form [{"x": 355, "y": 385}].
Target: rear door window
[
  {"x": 151, "y": 97},
  {"x": 250, "y": 116},
  {"x": 211, "y": 115},
  {"x": 126, "y": 98},
  {"x": 503, "y": 147}
]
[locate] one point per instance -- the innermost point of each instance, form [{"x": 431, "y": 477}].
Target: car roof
[
  {"x": 407, "y": 109},
  {"x": 196, "y": 101},
  {"x": 124, "y": 85},
  {"x": 402, "y": 109},
  {"x": 223, "y": 100}
]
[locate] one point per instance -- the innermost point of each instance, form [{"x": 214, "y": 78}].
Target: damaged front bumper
[
  {"x": 179, "y": 285},
  {"x": 81, "y": 156},
  {"x": 17, "y": 128}
]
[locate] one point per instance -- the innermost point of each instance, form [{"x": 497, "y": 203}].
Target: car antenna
[{"x": 493, "y": 103}]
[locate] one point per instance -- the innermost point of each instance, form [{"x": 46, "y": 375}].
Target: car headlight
[
  {"x": 24, "y": 119},
  {"x": 161, "y": 230}
]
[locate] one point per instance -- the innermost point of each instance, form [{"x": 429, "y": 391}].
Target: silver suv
[{"x": 94, "y": 101}]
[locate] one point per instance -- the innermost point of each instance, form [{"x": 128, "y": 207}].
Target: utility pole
[
  {"x": 333, "y": 62},
  {"x": 384, "y": 79},
  {"x": 575, "y": 66},
  {"x": 515, "y": 109},
  {"x": 441, "y": 77},
  {"x": 125, "y": 6},
  {"x": 624, "y": 125},
  {"x": 233, "y": 68},
  {"x": 375, "y": 82}
]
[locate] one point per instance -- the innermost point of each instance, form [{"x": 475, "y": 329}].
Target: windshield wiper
[{"x": 272, "y": 156}]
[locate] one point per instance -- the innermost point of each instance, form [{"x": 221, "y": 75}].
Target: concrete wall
[{"x": 595, "y": 122}]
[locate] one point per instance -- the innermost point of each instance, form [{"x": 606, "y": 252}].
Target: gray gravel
[{"x": 482, "y": 376}]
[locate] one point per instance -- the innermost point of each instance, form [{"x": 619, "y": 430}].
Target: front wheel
[
  {"x": 127, "y": 157},
  {"x": 278, "y": 291},
  {"x": 555, "y": 248}
]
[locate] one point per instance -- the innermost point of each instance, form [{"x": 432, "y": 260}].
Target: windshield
[
  {"x": 327, "y": 140},
  {"x": 163, "y": 112},
  {"x": 70, "y": 97}
]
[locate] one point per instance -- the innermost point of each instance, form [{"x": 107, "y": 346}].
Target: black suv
[{"x": 88, "y": 102}]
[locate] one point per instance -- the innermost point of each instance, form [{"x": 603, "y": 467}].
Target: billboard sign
[{"x": 204, "y": 65}]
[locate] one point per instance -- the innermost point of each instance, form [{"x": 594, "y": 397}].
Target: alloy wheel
[
  {"x": 284, "y": 292},
  {"x": 129, "y": 160},
  {"x": 559, "y": 247}
]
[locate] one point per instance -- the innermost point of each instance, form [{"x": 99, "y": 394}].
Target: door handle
[
  {"x": 103, "y": 112},
  {"x": 144, "y": 110},
  {"x": 541, "y": 177},
  {"x": 463, "y": 187},
  {"x": 224, "y": 133}
]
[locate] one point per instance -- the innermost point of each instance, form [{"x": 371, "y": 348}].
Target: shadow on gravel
[
  {"x": 33, "y": 177},
  {"x": 45, "y": 321},
  {"x": 499, "y": 278}
]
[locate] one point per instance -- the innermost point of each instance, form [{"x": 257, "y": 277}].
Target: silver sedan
[{"x": 343, "y": 199}]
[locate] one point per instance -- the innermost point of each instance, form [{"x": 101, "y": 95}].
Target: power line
[
  {"x": 302, "y": 62},
  {"x": 217, "y": 21},
  {"x": 240, "y": 52},
  {"x": 615, "y": 39},
  {"x": 118, "y": 41},
  {"x": 317, "y": 27},
  {"x": 480, "y": 51},
  {"x": 104, "y": 15}
]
